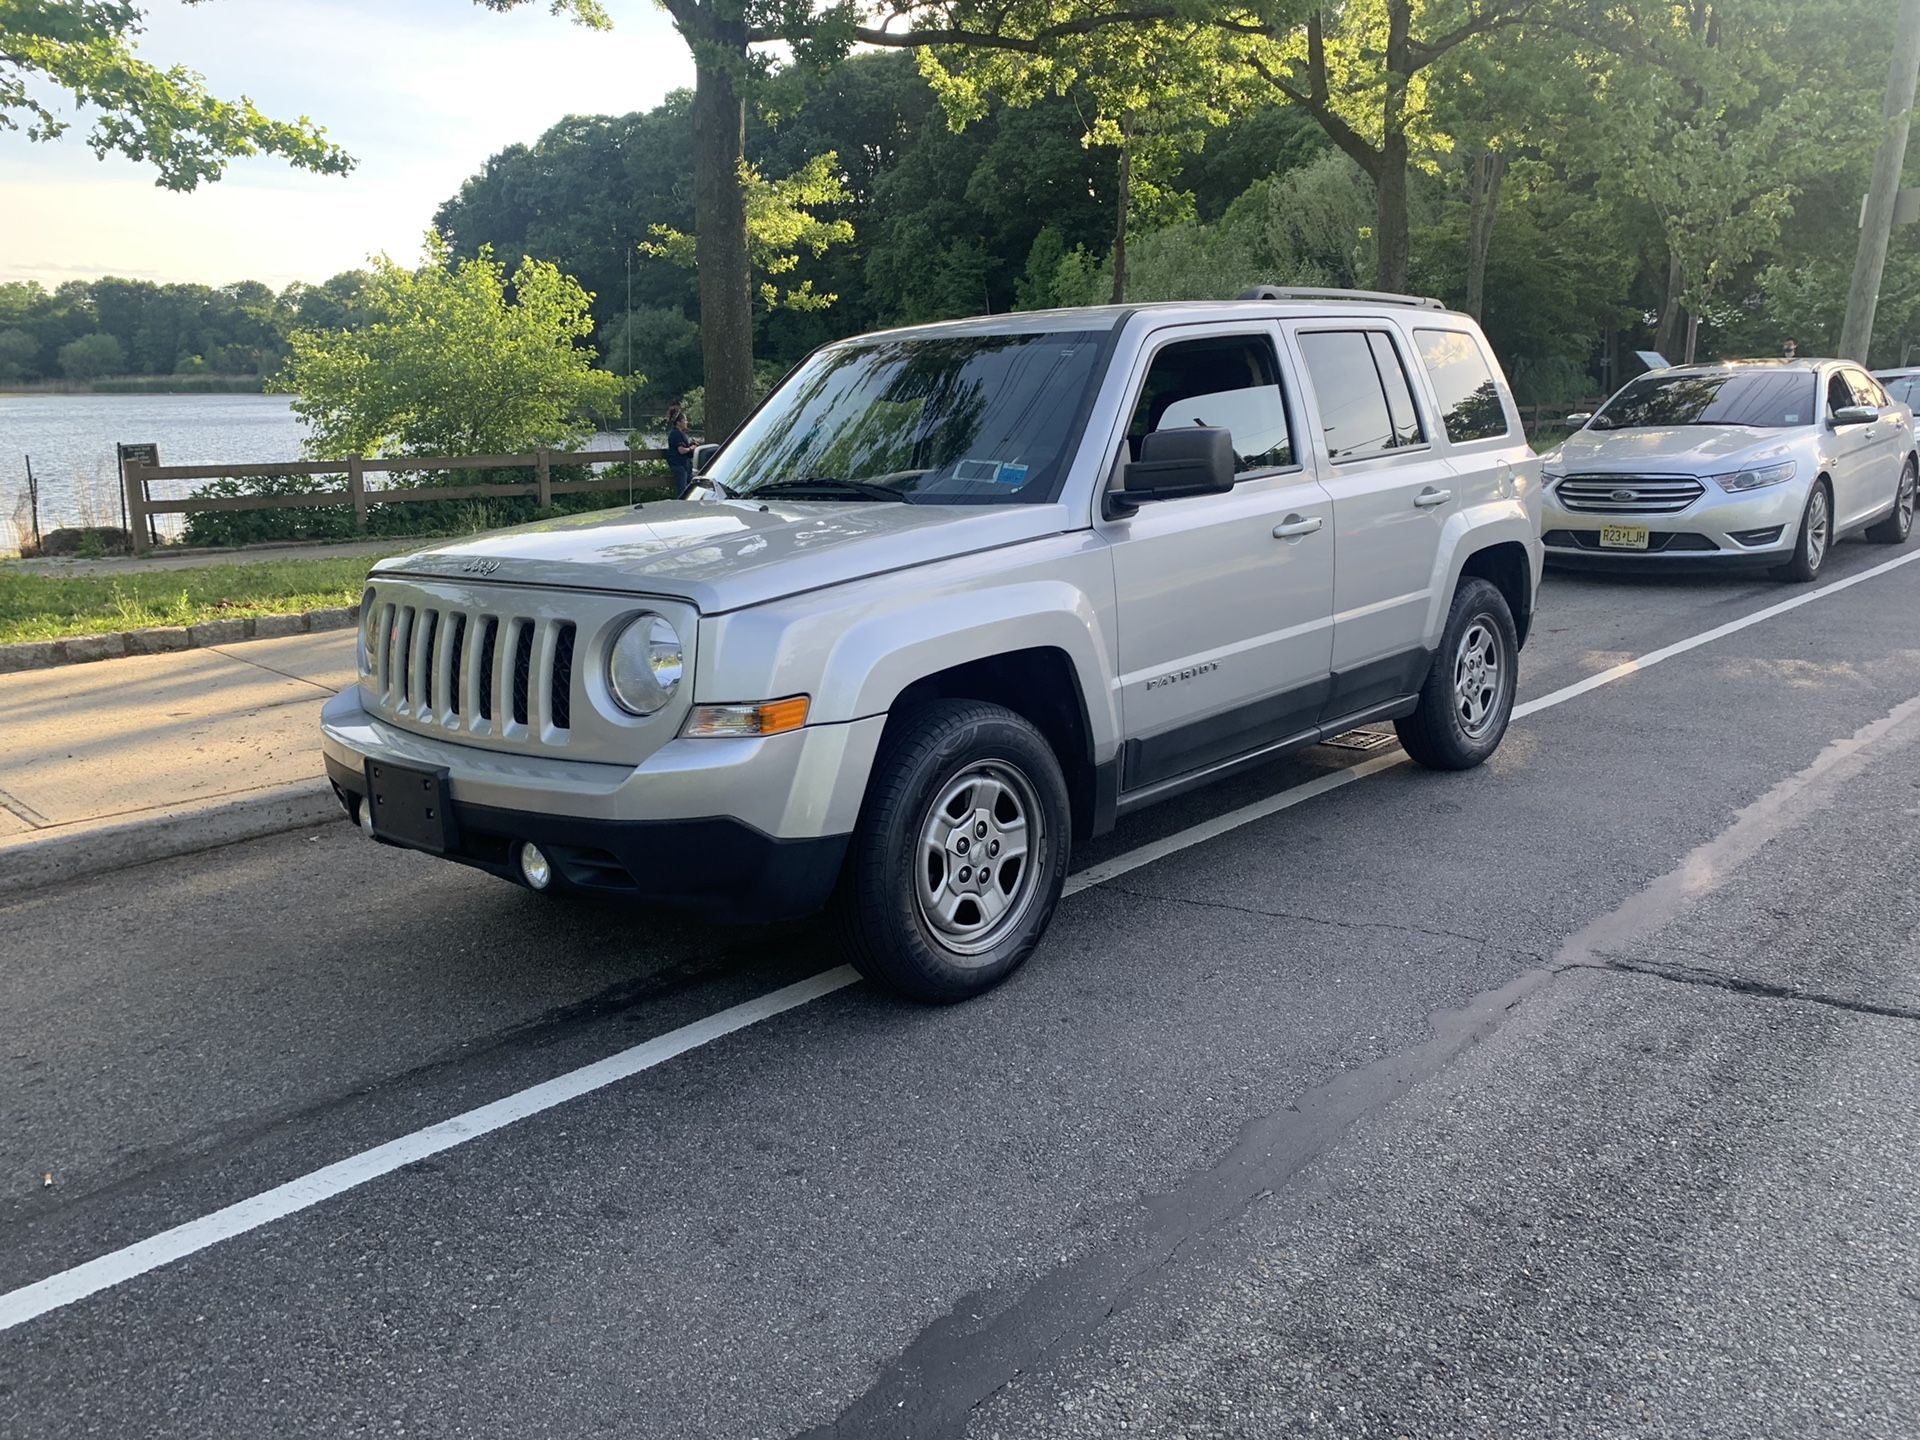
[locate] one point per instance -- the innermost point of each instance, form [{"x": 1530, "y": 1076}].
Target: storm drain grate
[{"x": 1361, "y": 740}]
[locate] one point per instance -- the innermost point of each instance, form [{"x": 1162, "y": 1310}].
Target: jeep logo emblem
[{"x": 480, "y": 567}]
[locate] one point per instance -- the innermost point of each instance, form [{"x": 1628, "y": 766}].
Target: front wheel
[
  {"x": 960, "y": 854},
  {"x": 1816, "y": 536},
  {"x": 1468, "y": 695},
  {"x": 1898, "y": 525}
]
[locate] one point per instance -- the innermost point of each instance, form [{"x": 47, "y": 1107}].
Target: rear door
[
  {"x": 1224, "y": 601},
  {"x": 1392, "y": 492}
]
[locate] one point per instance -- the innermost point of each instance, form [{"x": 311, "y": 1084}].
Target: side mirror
[
  {"x": 703, "y": 456},
  {"x": 1855, "y": 415},
  {"x": 1578, "y": 417},
  {"x": 1192, "y": 460}
]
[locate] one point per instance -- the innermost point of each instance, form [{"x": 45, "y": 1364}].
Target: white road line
[
  {"x": 19, "y": 1306},
  {"x": 64, "y": 1288}
]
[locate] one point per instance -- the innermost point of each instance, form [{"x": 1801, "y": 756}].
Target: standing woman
[{"x": 679, "y": 452}]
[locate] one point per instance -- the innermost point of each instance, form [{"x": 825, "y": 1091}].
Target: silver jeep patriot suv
[{"x": 955, "y": 597}]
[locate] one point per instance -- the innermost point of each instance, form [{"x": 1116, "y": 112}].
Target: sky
[{"x": 420, "y": 92}]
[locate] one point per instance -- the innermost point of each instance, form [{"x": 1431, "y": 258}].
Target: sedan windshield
[
  {"x": 1768, "y": 399},
  {"x": 960, "y": 419}
]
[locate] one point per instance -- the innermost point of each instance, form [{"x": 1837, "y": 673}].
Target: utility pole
[{"x": 1876, "y": 228}]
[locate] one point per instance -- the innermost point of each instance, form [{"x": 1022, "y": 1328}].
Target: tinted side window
[
  {"x": 1366, "y": 406},
  {"x": 1839, "y": 394},
  {"x": 1463, "y": 383},
  {"x": 1230, "y": 381}
]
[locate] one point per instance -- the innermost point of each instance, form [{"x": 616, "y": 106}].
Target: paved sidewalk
[{"x": 126, "y": 750}]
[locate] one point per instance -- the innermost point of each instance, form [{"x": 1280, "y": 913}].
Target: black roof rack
[{"x": 1321, "y": 292}]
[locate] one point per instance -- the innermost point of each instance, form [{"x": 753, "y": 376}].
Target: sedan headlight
[
  {"x": 1550, "y": 477},
  {"x": 644, "y": 664},
  {"x": 1758, "y": 477}
]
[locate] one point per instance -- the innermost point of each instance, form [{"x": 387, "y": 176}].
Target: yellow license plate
[{"x": 1623, "y": 537}]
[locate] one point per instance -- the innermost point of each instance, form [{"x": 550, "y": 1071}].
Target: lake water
[
  {"x": 71, "y": 440},
  {"x": 72, "y": 437}
]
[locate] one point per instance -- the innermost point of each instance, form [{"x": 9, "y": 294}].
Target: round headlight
[{"x": 644, "y": 665}]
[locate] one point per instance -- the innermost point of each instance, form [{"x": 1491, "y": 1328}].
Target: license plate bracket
[
  {"x": 411, "y": 805},
  {"x": 1624, "y": 537}
]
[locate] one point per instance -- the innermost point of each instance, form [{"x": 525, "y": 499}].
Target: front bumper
[
  {"x": 748, "y": 830},
  {"x": 1756, "y": 527}
]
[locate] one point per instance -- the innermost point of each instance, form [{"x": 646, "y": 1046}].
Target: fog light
[
  {"x": 363, "y": 814},
  {"x": 535, "y": 868}
]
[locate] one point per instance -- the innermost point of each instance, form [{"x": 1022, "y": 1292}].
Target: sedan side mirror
[
  {"x": 1192, "y": 460},
  {"x": 1578, "y": 417},
  {"x": 1855, "y": 415}
]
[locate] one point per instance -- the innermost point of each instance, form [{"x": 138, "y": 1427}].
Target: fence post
[
  {"x": 136, "y": 488},
  {"x": 543, "y": 480},
  {"x": 357, "y": 489}
]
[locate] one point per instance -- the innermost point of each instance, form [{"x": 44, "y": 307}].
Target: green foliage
[
  {"x": 18, "y": 353},
  {"x": 91, "y": 356},
  {"x": 166, "y": 118},
  {"x": 781, "y": 228},
  {"x": 452, "y": 364}
]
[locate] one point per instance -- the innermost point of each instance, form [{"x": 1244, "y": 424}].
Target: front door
[
  {"x": 1392, "y": 493},
  {"x": 1224, "y": 601}
]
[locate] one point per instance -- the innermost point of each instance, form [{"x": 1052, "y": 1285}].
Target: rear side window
[
  {"x": 1463, "y": 383},
  {"x": 1229, "y": 381},
  {"x": 1366, "y": 405}
]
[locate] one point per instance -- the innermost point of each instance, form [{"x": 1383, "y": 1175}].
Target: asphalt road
[{"x": 1575, "y": 1095}]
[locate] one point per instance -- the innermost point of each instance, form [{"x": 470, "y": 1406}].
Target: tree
[
  {"x": 92, "y": 356},
  {"x": 165, "y": 118},
  {"x": 19, "y": 354},
  {"x": 724, "y": 35},
  {"x": 451, "y": 363},
  {"x": 781, "y": 226}
]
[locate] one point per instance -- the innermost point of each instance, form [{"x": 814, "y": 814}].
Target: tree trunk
[
  {"x": 1390, "y": 184},
  {"x": 1121, "y": 208},
  {"x": 1483, "y": 203},
  {"x": 1667, "y": 333},
  {"x": 720, "y": 237},
  {"x": 1391, "y": 233}
]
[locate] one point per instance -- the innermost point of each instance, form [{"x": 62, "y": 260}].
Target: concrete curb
[
  {"x": 79, "y": 649},
  {"x": 71, "y": 852}
]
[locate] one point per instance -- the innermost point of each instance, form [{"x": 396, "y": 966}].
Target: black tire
[
  {"x": 895, "y": 890},
  {"x": 1898, "y": 525},
  {"x": 1815, "y": 541},
  {"x": 1452, "y": 730}
]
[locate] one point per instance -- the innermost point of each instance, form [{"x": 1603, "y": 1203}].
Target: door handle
[
  {"x": 1294, "y": 526},
  {"x": 1430, "y": 497}
]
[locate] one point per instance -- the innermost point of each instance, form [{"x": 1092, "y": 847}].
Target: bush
[{"x": 648, "y": 480}]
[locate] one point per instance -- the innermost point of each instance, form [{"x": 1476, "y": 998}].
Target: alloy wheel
[
  {"x": 981, "y": 850},
  {"x": 1477, "y": 677}
]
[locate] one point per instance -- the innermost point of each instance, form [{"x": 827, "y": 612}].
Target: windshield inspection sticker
[{"x": 1011, "y": 475}]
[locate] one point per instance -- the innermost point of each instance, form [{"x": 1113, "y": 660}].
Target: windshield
[
  {"x": 968, "y": 419},
  {"x": 1769, "y": 399}
]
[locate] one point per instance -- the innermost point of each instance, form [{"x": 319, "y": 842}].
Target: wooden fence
[{"x": 141, "y": 507}]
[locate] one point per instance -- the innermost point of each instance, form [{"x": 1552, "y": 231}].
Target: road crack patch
[{"x": 1740, "y": 985}]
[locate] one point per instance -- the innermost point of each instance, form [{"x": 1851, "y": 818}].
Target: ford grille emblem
[{"x": 1624, "y": 495}]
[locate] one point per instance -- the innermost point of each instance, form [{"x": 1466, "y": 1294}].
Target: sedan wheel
[{"x": 1898, "y": 525}]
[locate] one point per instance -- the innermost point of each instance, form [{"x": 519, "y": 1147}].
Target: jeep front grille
[
  {"x": 479, "y": 674},
  {"x": 1628, "y": 494}
]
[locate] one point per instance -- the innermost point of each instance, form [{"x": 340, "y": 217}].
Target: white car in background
[
  {"x": 1904, "y": 387},
  {"x": 1750, "y": 461}
]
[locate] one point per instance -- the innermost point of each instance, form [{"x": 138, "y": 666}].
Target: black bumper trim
[{"x": 716, "y": 866}]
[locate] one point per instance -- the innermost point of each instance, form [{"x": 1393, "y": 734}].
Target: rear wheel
[
  {"x": 1898, "y": 525},
  {"x": 960, "y": 854},
  {"x": 1816, "y": 537},
  {"x": 1468, "y": 696}
]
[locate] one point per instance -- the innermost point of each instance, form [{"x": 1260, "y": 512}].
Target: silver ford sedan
[{"x": 1754, "y": 461}]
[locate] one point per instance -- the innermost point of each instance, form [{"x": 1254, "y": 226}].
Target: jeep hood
[
  {"x": 1702, "y": 449},
  {"x": 728, "y": 554}
]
